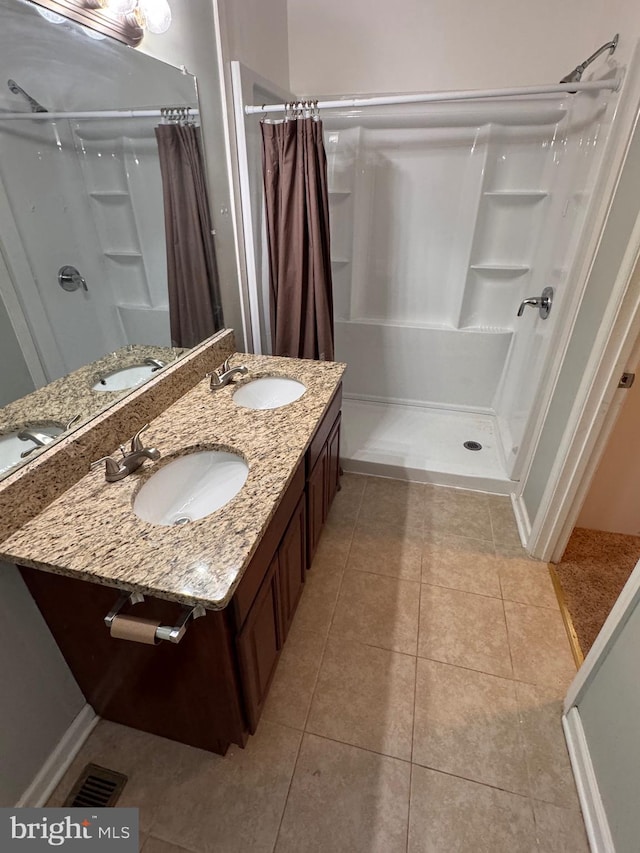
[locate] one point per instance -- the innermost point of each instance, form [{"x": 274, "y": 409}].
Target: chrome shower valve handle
[{"x": 543, "y": 303}]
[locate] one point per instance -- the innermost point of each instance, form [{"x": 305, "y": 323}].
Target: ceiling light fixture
[{"x": 140, "y": 15}]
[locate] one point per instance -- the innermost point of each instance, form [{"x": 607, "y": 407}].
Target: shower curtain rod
[
  {"x": 89, "y": 114},
  {"x": 435, "y": 97}
]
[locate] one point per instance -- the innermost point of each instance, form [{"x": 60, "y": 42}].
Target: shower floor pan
[{"x": 423, "y": 445}]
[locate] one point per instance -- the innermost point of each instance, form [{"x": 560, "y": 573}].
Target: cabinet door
[
  {"x": 292, "y": 558},
  {"x": 333, "y": 462},
  {"x": 259, "y": 645},
  {"x": 316, "y": 504}
]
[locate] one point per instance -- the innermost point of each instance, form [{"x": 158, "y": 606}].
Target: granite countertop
[
  {"x": 72, "y": 396},
  {"x": 91, "y": 532}
]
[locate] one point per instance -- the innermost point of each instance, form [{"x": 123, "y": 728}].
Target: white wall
[
  {"x": 412, "y": 45},
  {"x": 256, "y": 34},
  {"x": 613, "y": 500},
  {"x": 39, "y": 697},
  {"x": 609, "y": 710}
]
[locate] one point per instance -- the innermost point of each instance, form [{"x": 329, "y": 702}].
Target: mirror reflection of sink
[
  {"x": 191, "y": 487},
  {"x": 12, "y": 446},
  {"x": 269, "y": 392},
  {"x": 126, "y": 377}
]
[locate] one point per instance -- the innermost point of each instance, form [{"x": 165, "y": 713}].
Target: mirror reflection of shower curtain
[
  {"x": 297, "y": 211},
  {"x": 195, "y": 309}
]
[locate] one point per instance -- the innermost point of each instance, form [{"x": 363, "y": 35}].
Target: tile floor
[{"x": 416, "y": 706}]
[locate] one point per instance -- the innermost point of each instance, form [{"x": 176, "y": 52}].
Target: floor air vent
[{"x": 96, "y": 786}]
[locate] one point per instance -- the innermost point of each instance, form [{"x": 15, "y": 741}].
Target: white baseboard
[
  {"x": 595, "y": 817},
  {"x": 58, "y": 762},
  {"x": 522, "y": 518}
]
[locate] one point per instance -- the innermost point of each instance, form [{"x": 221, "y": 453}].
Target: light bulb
[
  {"x": 93, "y": 34},
  {"x": 156, "y": 15},
  {"x": 52, "y": 17},
  {"x": 120, "y": 7}
]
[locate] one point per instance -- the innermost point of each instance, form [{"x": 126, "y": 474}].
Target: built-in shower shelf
[
  {"x": 340, "y": 262},
  {"x": 109, "y": 194},
  {"x": 112, "y": 253},
  {"x": 517, "y": 195},
  {"x": 339, "y": 193},
  {"x": 489, "y": 330},
  {"x": 504, "y": 270}
]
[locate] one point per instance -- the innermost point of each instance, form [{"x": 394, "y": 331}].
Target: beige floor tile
[
  {"x": 460, "y": 563},
  {"x": 453, "y": 512},
  {"x": 378, "y": 611},
  {"x": 464, "y": 629},
  {"x": 540, "y": 649},
  {"x": 335, "y": 541},
  {"x": 235, "y": 803},
  {"x": 319, "y": 596},
  {"x": 524, "y": 580},
  {"x": 467, "y": 723},
  {"x": 147, "y": 760},
  {"x": 386, "y": 550},
  {"x": 292, "y": 687},
  {"x": 503, "y": 522},
  {"x": 393, "y": 502},
  {"x": 546, "y": 753},
  {"x": 365, "y": 697},
  {"x": 560, "y": 830},
  {"x": 452, "y": 815},
  {"x": 345, "y": 800},
  {"x": 155, "y": 845},
  {"x": 347, "y": 501}
]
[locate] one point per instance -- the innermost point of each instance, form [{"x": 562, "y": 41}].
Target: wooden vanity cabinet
[
  {"x": 323, "y": 473},
  {"x": 209, "y": 690},
  {"x": 259, "y": 643}
]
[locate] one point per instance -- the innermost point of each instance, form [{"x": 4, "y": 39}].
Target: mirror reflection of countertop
[
  {"x": 72, "y": 396},
  {"x": 92, "y": 533}
]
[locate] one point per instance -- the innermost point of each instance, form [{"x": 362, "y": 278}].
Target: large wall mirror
[{"x": 84, "y": 293}]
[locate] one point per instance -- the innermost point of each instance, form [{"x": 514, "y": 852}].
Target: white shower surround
[{"x": 443, "y": 219}]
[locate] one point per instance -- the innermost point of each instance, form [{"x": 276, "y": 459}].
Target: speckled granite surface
[
  {"x": 91, "y": 531},
  {"x": 71, "y": 395},
  {"x": 29, "y": 489}
]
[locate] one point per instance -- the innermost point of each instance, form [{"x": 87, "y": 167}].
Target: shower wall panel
[
  {"x": 443, "y": 219},
  {"x": 45, "y": 205}
]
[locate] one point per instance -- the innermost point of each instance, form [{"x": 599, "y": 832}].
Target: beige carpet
[{"x": 593, "y": 570}]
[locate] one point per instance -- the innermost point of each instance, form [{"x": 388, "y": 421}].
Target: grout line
[
  {"x": 574, "y": 642},
  {"x": 286, "y": 799}
]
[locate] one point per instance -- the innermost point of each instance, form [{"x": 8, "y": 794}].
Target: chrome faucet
[
  {"x": 131, "y": 460},
  {"x": 223, "y": 375},
  {"x": 155, "y": 363},
  {"x": 39, "y": 438}
]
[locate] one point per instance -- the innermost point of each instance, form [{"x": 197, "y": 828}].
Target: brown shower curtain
[
  {"x": 297, "y": 204},
  {"x": 194, "y": 294}
]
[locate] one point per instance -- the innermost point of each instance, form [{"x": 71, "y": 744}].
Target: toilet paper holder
[{"x": 171, "y": 633}]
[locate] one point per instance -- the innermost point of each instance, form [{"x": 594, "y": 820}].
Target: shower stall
[{"x": 445, "y": 217}]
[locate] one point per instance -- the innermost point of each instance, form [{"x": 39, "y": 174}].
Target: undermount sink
[
  {"x": 126, "y": 377},
  {"x": 191, "y": 487},
  {"x": 269, "y": 392},
  {"x": 12, "y": 447}
]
